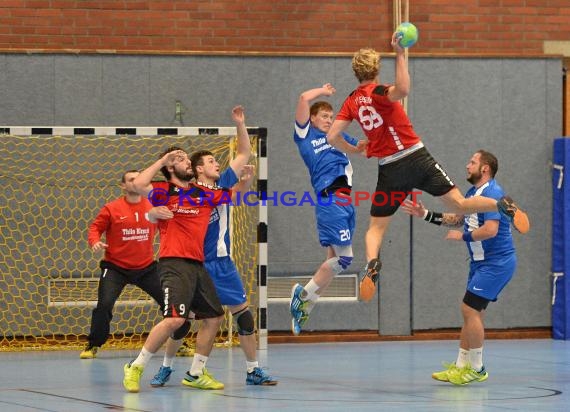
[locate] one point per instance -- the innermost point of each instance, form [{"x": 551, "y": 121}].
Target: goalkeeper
[{"x": 129, "y": 257}]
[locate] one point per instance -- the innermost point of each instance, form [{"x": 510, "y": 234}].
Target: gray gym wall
[{"x": 511, "y": 107}]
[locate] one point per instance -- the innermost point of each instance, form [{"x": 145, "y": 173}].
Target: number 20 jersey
[{"x": 384, "y": 122}]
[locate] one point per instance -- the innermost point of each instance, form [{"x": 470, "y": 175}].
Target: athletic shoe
[
  {"x": 516, "y": 216},
  {"x": 185, "y": 350},
  {"x": 90, "y": 352},
  {"x": 162, "y": 376},
  {"x": 297, "y": 307},
  {"x": 444, "y": 374},
  {"x": 204, "y": 381},
  {"x": 369, "y": 278},
  {"x": 465, "y": 375},
  {"x": 297, "y": 325},
  {"x": 132, "y": 378},
  {"x": 260, "y": 377}
]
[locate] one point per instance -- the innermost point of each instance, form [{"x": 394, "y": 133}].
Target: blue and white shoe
[
  {"x": 260, "y": 377},
  {"x": 161, "y": 377},
  {"x": 298, "y": 309}
]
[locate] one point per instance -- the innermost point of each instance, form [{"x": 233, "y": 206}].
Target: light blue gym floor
[{"x": 524, "y": 375}]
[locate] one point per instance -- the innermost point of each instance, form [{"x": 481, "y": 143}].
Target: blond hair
[{"x": 366, "y": 64}]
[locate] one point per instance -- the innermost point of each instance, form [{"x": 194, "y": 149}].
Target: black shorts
[
  {"x": 146, "y": 278},
  {"x": 418, "y": 170},
  {"x": 187, "y": 287}
]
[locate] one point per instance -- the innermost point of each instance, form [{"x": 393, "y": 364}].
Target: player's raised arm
[
  {"x": 245, "y": 181},
  {"x": 243, "y": 151},
  {"x": 401, "y": 87},
  {"x": 303, "y": 112},
  {"x": 142, "y": 182}
]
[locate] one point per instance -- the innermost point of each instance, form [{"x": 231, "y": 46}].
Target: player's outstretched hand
[
  {"x": 396, "y": 36},
  {"x": 414, "y": 209},
  {"x": 171, "y": 157},
  {"x": 238, "y": 114},
  {"x": 328, "y": 89},
  {"x": 247, "y": 172}
]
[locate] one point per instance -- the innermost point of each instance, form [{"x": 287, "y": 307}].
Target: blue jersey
[
  {"x": 325, "y": 163},
  {"x": 502, "y": 244},
  {"x": 217, "y": 242}
]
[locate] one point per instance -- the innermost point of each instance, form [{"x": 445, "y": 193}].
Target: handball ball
[{"x": 409, "y": 34}]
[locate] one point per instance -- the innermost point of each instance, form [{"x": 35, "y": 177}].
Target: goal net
[{"x": 53, "y": 186}]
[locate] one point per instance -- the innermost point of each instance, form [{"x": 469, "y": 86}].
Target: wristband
[
  {"x": 433, "y": 217},
  {"x": 468, "y": 236}
]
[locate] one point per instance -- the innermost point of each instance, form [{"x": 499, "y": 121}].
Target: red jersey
[
  {"x": 183, "y": 235},
  {"x": 128, "y": 232},
  {"x": 385, "y": 123}
]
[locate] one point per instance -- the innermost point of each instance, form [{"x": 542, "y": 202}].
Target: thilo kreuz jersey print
[
  {"x": 325, "y": 163},
  {"x": 128, "y": 232}
]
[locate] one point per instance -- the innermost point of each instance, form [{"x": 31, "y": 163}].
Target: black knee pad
[
  {"x": 245, "y": 323},
  {"x": 182, "y": 331},
  {"x": 476, "y": 302}
]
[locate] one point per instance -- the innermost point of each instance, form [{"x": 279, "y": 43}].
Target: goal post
[{"x": 54, "y": 182}]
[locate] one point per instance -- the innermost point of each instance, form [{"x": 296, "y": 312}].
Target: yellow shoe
[
  {"x": 90, "y": 352},
  {"x": 204, "y": 381},
  {"x": 443, "y": 375},
  {"x": 465, "y": 375},
  {"x": 132, "y": 378}
]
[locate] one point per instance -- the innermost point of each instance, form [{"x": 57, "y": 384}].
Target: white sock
[
  {"x": 143, "y": 358},
  {"x": 311, "y": 289},
  {"x": 251, "y": 365},
  {"x": 476, "y": 358},
  {"x": 168, "y": 361},
  {"x": 462, "y": 358},
  {"x": 198, "y": 364}
]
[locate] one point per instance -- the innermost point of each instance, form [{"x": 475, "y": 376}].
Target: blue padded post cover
[{"x": 561, "y": 239}]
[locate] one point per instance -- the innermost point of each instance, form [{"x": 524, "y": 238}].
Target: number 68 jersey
[{"x": 384, "y": 122}]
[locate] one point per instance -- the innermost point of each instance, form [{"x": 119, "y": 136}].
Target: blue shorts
[
  {"x": 227, "y": 281},
  {"x": 487, "y": 278},
  {"x": 335, "y": 223}
]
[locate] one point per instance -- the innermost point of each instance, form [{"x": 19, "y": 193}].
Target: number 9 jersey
[{"x": 384, "y": 122}]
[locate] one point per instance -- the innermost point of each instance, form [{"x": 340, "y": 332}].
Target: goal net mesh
[{"x": 52, "y": 187}]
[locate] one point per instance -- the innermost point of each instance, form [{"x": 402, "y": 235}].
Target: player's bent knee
[
  {"x": 182, "y": 331},
  {"x": 174, "y": 323},
  {"x": 338, "y": 264},
  {"x": 245, "y": 323},
  {"x": 475, "y": 302},
  {"x": 342, "y": 260}
]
